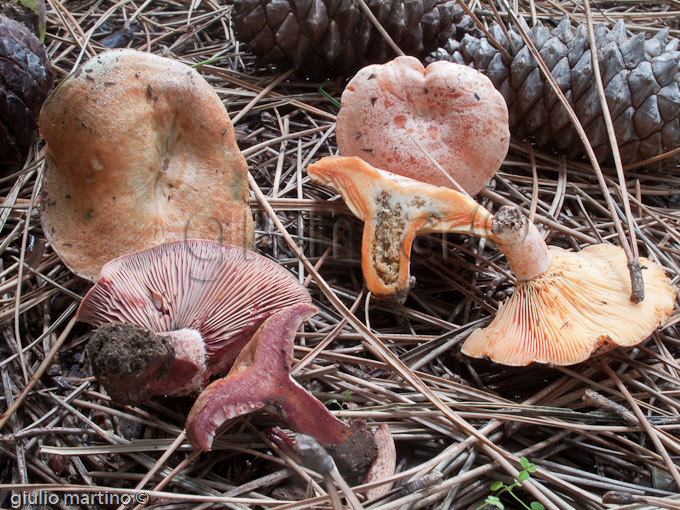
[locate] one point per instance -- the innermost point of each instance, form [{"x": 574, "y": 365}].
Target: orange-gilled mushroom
[
  {"x": 567, "y": 306},
  {"x": 140, "y": 151},
  {"x": 393, "y": 115},
  {"x": 395, "y": 209},
  {"x": 259, "y": 379},
  {"x": 195, "y": 305}
]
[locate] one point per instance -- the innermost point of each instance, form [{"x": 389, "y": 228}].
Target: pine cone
[
  {"x": 25, "y": 81},
  {"x": 640, "y": 78},
  {"x": 334, "y": 37}
]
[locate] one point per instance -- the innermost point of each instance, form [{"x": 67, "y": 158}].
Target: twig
[{"x": 637, "y": 284}]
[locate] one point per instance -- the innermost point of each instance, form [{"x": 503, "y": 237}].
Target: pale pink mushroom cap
[
  {"x": 453, "y": 111},
  {"x": 221, "y": 291}
]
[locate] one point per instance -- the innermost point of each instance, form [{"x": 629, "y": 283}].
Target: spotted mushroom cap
[
  {"x": 579, "y": 307},
  {"x": 224, "y": 292},
  {"x": 140, "y": 151},
  {"x": 452, "y": 111}
]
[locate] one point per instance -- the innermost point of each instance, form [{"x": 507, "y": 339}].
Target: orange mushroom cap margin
[
  {"x": 578, "y": 307},
  {"x": 395, "y": 209},
  {"x": 140, "y": 151},
  {"x": 217, "y": 293},
  {"x": 393, "y": 114}
]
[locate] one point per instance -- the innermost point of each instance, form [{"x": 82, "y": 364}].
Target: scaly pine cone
[
  {"x": 335, "y": 37},
  {"x": 640, "y": 78},
  {"x": 25, "y": 81}
]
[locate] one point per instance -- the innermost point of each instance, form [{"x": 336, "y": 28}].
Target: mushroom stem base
[
  {"x": 521, "y": 243},
  {"x": 134, "y": 364}
]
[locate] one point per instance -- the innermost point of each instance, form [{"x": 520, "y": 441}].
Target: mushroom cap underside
[
  {"x": 394, "y": 114},
  {"x": 260, "y": 378},
  {"x": 579, "y": 307},
  {"x": 224, "y": 292},
  {"x": 140, "y": 151}
]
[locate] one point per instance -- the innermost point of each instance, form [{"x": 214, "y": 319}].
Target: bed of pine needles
[{"x": 604, "y": 428}]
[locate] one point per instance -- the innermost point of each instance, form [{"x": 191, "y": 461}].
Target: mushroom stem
[
  {"x": 521, "y": 243},
  {"x": 188, "y": 372},
  {"x": 395, "y": 210},
  {"x": 133, "y": 363},
  {"x": 260, "y": 378},
  {"x": 307, "y": 415}
]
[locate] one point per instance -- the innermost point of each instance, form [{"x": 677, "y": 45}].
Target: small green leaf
[
  {"x": 347, "y": 395},
  {"x": 523, "y": 476},
  {"x": 531, "y": 468},
  {"x": 524, "y": 461},
  {"x": 493, "y": 500},
  {"x": 496, "y": 485},
  {"x": 334, "y": 401},
  {"x": 535, "y": 505}
]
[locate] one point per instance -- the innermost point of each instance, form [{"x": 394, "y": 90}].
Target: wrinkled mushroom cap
[
  {"x": 579, "y": 307},
  {"x": 140, "y": 151},
  {"x": 224, "y": 292},
  {"x": 453, "y": 111}
]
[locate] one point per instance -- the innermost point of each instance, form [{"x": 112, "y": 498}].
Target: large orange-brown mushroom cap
[
  {"x": 578, "y": 307},
  {"x": 393, "y": 114},
  {"x": 140, "y": 151}
]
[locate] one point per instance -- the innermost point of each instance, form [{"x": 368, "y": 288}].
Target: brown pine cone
[
  {"x": 25, "y": 81},
  {"x": 334, "y": 37},
  {"x": 640, "y": 77}
]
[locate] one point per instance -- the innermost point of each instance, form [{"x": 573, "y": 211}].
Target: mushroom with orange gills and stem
[
  {"x": 395, "y": 115},
  {"x": 140, "y": 151},
  {"x": 395, "y": 209},
  {"x": 568, "y": 306},
  {"x": 172, "y": 316}
]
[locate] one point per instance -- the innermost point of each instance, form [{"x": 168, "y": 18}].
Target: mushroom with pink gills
[
  {"x": 567, "y": 306},
  {"x": 140, "y": 151},
  {"x": 172, "y": 316}
]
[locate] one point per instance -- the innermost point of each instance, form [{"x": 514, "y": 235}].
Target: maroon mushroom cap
[
  {"x": 261, "y": 378},
  {"x": 223, "y": 292}
]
